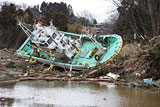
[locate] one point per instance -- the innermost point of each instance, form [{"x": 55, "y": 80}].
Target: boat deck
[
  {"x": 112, "y": 43},
  {"x": 84, "y": 58}
]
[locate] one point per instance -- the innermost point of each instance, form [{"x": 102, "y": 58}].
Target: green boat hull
[{"x": 82, "y": 61}]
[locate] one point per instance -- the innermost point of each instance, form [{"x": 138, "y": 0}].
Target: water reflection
[
  {"x": 7, "y": 84},
  {"x": 6, "y": 102},
  {"x": 140, "y": 97},
  {"x": 75, "y": 94}
]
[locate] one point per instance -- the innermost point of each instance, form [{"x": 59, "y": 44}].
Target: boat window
[
  {"x": 63, "y": 43},
  {"x": 60, "y": 35},
  {"x": 54, "y": 35},
  {"x": 67, "y": 41},
  {"x": 44, "y": 45},
  {"x": 50, "y": 40},
  {"x": 39, "y": 36}
]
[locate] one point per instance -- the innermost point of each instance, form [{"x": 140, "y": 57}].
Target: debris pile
[{"x": 140, "y": 65}]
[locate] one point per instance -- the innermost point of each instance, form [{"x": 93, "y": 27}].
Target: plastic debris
[
  {"x": 40, "y": 71},
  {"x": 147, "y": 80},
  {"x": 112, "y": 75},
  {"x": 137, "y": 74},
  {"x": 128, "y": 69},
  {"x": 26, "y": 74}
]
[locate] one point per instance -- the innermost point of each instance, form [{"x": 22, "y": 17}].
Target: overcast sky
[{"x": 101, "y": 9}]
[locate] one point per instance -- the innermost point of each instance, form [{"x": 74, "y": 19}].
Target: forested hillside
[
  {"x": 137, "y": 16},
  {"x": 140, "y": 17},
  {"x": 11, "y": 35}
]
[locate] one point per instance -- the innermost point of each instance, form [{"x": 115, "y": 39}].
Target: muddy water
[{"x": 74, "y": 94}]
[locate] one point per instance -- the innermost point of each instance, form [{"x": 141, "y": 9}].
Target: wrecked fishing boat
[{"x": 47, "y": 45}]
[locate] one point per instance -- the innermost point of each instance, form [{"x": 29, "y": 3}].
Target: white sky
[{"x": 101, "y": 9}]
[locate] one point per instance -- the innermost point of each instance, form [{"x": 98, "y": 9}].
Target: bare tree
[
  {"x": 154, "y": 11},
  {"x": 87, "y": 15},
  {"x": 117, "y": 3},
  {"x": 142, "y": 15}
]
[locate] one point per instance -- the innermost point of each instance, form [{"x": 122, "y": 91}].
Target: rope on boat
[
  {"x": 31, "y": 61},
  {"x": 31, "y": 71},
  {"x": 49, "y": 68},
  {"x": 78, "y": 52},
  {"x": 95, "y": 49},
  {"x": 24, "y": 52},
  {"x": 85, "y": 63},
  {"x": 51, "y": 53}
]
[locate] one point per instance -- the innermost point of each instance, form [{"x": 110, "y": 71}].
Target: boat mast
[{"x": 24, "y": 28}]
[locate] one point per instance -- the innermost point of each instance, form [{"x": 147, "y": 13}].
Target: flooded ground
[{"x": 74, "y": 94}]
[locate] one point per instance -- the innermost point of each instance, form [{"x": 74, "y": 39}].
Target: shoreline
[{"x": 130, "y": 84}]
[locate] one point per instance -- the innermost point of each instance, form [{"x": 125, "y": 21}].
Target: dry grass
[{"x": 131, "y": 51}]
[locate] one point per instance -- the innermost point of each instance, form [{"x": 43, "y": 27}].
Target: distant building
[{"x": 99, "y": 27}]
